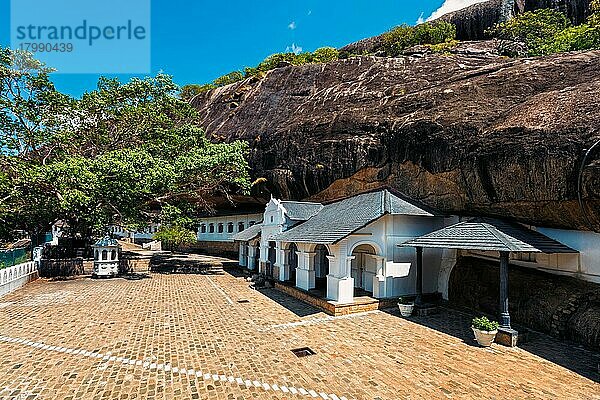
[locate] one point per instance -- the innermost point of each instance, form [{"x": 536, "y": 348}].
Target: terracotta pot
[
  {"x": 484, "y": 338},
  {"x": 406, "y": 310}
]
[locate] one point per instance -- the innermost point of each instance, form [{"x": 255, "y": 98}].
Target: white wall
[
  {"x": 225, "y": 220},
  {"x": 17, "y": 276},
  {"x": 585, "y": 266}
]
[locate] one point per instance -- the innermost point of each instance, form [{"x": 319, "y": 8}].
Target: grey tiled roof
[
  {"x": 338, "y": 220},
  {"x": 248, "y": 234},
  {"x": 301, "y": 211},
  {"x": 490, "y": 234}
]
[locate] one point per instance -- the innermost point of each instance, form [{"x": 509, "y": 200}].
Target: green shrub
[
  {"x": 547, "y": 31},
  {"x": 405, "y": 36},
  {"x": 321, "y": 55},
  {"x": 228, "y": 79},
  {"x": 484, "y": 324},
  {"x": 188, "y": 92}
]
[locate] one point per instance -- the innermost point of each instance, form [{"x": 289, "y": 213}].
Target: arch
[
  {"x": 321, "y": 263},
  {"x": 312, "y": 247},
  {"x": 203, "y": 228},
  {"x": 96, "y": 255},
  {"x": 374, "y": 245},
  {"x": 363, "y": 266},
  {"x": 240, "y": 226},
  {"x": 104, "y": 255},
  {"x": 220, "y": 227},
  {"x": 211, "y": 228},
  {"x": 230, "y": 227},
  {"x": 113, "y": 255}
]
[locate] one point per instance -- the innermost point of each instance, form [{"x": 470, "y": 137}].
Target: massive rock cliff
[{"x": 470, "y": 132}]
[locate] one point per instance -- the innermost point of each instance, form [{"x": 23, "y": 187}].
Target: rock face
[{"x": 466, "y": 133}]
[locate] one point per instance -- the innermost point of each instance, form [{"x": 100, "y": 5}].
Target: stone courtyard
[{"x": 191, "y": 336}]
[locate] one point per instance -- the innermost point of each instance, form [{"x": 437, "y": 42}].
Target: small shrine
[{"x": 106, "y": 257}]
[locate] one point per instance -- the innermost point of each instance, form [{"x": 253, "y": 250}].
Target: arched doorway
[
  {"x": 364, "y": 267},
  {"x": 321, "y": 266},
  {"x": 293, "y": 261}
]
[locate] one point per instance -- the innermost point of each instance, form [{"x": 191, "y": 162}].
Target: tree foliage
[
  {"x": 174, "y": 236},
  {"x": 404, "y": 36},
  {"x": 188, "y": 92},
  {"x": 119, "y": 154},
  {"x": 548, "y": 31}
]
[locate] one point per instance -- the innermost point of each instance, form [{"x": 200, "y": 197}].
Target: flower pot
[
  {"x": 406, "y": 310},
  {"x": 484, "y": 338}
]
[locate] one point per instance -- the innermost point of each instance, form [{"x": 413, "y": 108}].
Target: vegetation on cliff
[
  {"x": 548, "y": 31},
  {"x": 114, "y": 156}
]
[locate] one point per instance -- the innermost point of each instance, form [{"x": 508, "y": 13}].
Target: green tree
[
  {"x": 188, "y": 92},
  {"x": 174, "y": 236},
  {"x": 119, "y": 154},
  {"x": 404, "y": 36}
]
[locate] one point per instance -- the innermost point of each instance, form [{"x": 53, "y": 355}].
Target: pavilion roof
[
  {"x": 340, "y": 219},
  {"x": 488, "y": 234}
]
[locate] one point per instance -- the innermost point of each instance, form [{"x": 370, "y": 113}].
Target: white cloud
[
  {"x": 292, "y": 25},
  {"x": 420, "y": 20},
  {"x": 294, "y": 49},
  {"x": 309, "y": 12},
  {"x": 452, "y": 5}
]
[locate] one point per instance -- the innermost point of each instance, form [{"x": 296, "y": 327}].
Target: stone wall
[
  {"x": 562, "y": 306},
  {"x": 221, "y": 249}
]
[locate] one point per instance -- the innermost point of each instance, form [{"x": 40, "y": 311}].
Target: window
[
  {"x": 113, "y": 255},
  {"x": 96, "y": 255},
  {"x": 220, "y": 228},
  {"x": 271, "y": 218},
  {"x": 203, "y": 228},
  {"x": 230, "y": 227},
  {"x": 251, "y": 223},
  {"x": 211, "y": 228},
  {"x": 104, "y": 255},
  {"x": 240, "y": 226}
]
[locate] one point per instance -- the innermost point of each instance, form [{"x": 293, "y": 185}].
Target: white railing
[{"x": 17, "y": 276}]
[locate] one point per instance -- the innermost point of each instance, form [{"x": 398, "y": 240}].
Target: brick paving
[{"x": 188, "y": 337}]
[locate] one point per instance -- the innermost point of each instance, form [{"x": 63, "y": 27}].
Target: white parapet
[{"x": 17, "y": 276}]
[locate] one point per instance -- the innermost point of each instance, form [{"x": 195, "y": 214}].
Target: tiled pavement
[{"x": 186, "y": 336}]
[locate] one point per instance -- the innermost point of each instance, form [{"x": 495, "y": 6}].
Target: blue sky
[{"x": 197, "y": 41}]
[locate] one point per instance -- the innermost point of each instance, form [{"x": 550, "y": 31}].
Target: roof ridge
[{"x": 499, "y": 235}]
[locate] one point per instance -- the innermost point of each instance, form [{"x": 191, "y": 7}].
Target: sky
[{"x": 197, "y": 41}]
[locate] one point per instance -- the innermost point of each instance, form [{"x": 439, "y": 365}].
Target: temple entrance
[
  {"x": 364, "y": 267},
  {"x": 321, "y": 266},
  {"x": 293, "y": 261}
]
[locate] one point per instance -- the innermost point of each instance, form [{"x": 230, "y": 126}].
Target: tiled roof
[
  {"x": 490, "y": 234},
  {"x": 248, "y": 234},
  {"x": 338, "y": 220},
  {"x": 301, "y": 211}
]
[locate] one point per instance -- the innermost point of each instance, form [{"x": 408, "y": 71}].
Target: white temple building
[{"x": 343, "y": 247}]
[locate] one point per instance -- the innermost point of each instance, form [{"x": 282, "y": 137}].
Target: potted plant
[
  {"x": 405, "y": 306},
  {"x": 485, "y": 331}
]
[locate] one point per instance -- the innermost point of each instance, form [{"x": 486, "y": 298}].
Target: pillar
[
  {"x": 379, "y": 287},
  {"x": 340, "y": 284},
  {"x": 419, "y": 284},
  {"x": 283, "y": 263},
  {"x": 251, "y": 257},
  {"x": 305, "y": 273},
  {"x": 243, "y": 258},
  {"x": 503, "y": 306}
]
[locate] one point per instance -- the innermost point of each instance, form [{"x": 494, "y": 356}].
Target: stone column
[
  {"x": 305, "y": 273},
  {"x": 379, "y": 286},
  {"x": 340, "y": 285},
  {"x": 283, "y": 263},
  {"x": 251, "y": 257},
  {"x": 243, "y": 258},
  {"x": 503, "y": 305},
  {"x": 419, "y": 286}
]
